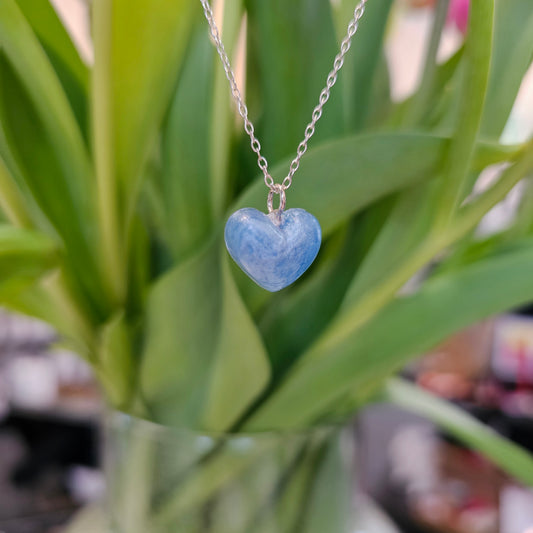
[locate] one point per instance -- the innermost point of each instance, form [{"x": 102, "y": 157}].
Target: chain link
[{"x": 279, "y": 188}]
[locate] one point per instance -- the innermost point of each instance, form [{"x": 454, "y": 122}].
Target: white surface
[
  {"x": 75, "y": 16},
  {"x": 516, "y": 510}
]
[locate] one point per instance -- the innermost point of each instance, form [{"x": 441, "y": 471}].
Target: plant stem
[
  {"x": 218, "y": 470},
  {"x": 313, "y": 468},
  {"x": 134, "y": 485},
  {"x": 263, "y": 511}
]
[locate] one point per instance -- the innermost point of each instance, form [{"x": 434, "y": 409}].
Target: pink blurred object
[{"x": 458, "y": 14}]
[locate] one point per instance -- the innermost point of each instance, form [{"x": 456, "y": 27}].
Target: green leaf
[
  {"x": 338, "y": 178},
  {"x": 291, "y": 49},
  {"x": 292, "y": 320},
  {"x": 25, "y": 254},
  {"x": 524, "y": 217},
  {"x": 509, "y": 456},
  {"x": 50, "y": 299},
  {"x": 185, "y": 143},
  {"x": 422, "y": 100},
  {"x": 380, "y": 106},
  {"x": 139, "y": 267},
  {"x": 40, "y": 133},
  {"x": 29, "y": 150},
  {"x": 437, "y": 99},
  {"x": 363, "y": 59},
  {"x": 330, "y": 490},
  {"x": 471, "y": 250},
  {"x": 218, "y": 472},
  {"x": 61, "y": 195},
  {"x": 222, "y": 117},
  {"x": 418, "y": 247},
  {"x": 254, "y": 296},
  {"x": 49, "y": 29},
  {"x": 239, "y": 352},
  {"x": 513, "y": 52},
  {"x": 473, "y": 211},
  {"x": 199, "y": 337},
  {"x": 13, "y": 174},
  {"x": 296, "y": 487},
  {"x": 139, "y": 47},
  {"x": 11, "y": 200},
  {"x": 114, "y": 365},
  {"x": 32, "y": 67},
  {"x": 182, "y": 324},
  {"x": 407, "y": 225},
  {"x": 70, "y": 69},
  {"x": 477, "y": 56},
  {"x": 407, "y": 327}
]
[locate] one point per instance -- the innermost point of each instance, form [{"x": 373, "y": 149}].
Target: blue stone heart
[{"x": 274, "y": 250}]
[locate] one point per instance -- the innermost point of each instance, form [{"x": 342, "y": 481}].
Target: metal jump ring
[{"x": 276, "y": 189}]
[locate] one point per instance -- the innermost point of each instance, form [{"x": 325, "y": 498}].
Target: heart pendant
[{"x": 274, "y": 249}]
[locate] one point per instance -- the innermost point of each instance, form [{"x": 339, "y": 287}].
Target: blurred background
[{"x": 423, "y": 480}]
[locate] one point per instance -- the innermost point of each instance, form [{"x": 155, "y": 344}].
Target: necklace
[{"x": 275, "y": 249}]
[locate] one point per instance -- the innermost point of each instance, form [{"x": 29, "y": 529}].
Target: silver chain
[{"x": 279, "y": 188}]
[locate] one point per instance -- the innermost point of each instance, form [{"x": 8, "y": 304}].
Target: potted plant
[{"x": 116, "y": 180}]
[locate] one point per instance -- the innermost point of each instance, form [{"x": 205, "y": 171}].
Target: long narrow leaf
[
  {"x": 421, "y": 100},
  {"x": 44, "y": 137},
  {"x": 49, "y": 299},
  {"x": 477, "y": 56},
  {"x": 199, "y": 336},
  {"x": 183, "y": 314},
  {"x": 25, "y": 253},
  {"x": 35, "y": 72},
  {"x": 185, "y": 187},
  {"x": 222, "y": 123},
  {"x": 387, "y": 342},
  {"x": 47, "y": 26},
  {"x": 338, "y": 178},
  {"x": 239, "y": 352},
  {"x": 504, "y": 453},
  {"x": 513, "y": 53},
  {"x": 70, "y": 69},
  {"x": 33, "y": 160},
  {"x": 11, "y": 201},
  {"x": 438, "y": 101},
  {"x": 292, "y": 47},
  {"x": 363, "y": 60},
  {"x": 407, "y": 225},
  {"x": 139, "y": 46},
  {"x": 292, "y": 320}
]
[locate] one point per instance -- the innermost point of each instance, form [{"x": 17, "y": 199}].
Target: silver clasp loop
[{"x": 277, "y": 188}]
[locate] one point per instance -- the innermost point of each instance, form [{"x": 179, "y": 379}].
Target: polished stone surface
[{"x": 273, "y": 250}]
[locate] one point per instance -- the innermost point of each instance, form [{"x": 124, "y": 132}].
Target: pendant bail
[{"x": 277, "y": 188}]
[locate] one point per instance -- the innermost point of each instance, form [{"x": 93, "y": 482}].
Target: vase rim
[{"x": 114, "y": 417}]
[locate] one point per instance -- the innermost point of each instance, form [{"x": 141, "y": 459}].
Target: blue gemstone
[{"x": 274, "y": 250}]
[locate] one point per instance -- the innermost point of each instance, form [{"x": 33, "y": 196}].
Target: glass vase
[{"x": 167, "y": 480}]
